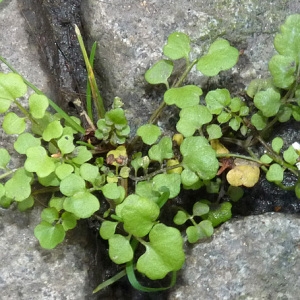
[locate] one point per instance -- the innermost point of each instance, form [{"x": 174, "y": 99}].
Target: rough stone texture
[
  {"x": 28, "y": 271},
  {"x": 253, "y": 258},
  {"x": 131, "y": 34}
]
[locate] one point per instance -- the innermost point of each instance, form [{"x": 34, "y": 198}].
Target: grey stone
[
  {"x": 257, "y": 257},
  {"x": 27, "y": 270}
]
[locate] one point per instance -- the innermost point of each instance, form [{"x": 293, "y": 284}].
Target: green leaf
[
  {"x": 181, "y": 217},
  {"x": 159, "y": 72},
  {"x": 221, "y": 56},
  {"x": 149, "y": 133},
  {"x": 65, "y": 144},
  {"x": 4, "y": 158},
  {"x": 113, "y": 191},
  {"x": 26, "y": 204},
  {"x": 13, "y": 124},
  {"x": 235, "y": 193},
  {"x": 82, "y": 155},
  {"x": 259, "y": 121},
  {"x": 164, "y": 252},
  {"x": 235, "y": 123},
  {"x": 192, "y": 118},
  {"x": 236, "y": 104},
  {"x": 120, "y": 250},
  {"x": 18, "y": 187},
  {"x": 139, "y": 214},
  {"x": 38, "y": 161},
  {"x": 178, "y": 46},
  {"x": 49, "y": 235},
  {"x": 257, "y": 85},
  {"x": 38, "y": 105},
  {"x": 89, "y": 172},
  {"x": 49, "y": 214},
  {"x": 216, "y": 100},
  {"x": 63, "y": 170},
  {"x": 25, "y": 141},
  {"x": 116, "y": 117},
  {"x": 266, "y": 159},
  {"x": 57, "y": 203},
  {"x": 214, "y": 131},
  {"x": 290, "y": 155},
  {"x": 82, "y": 204},
  {"x": 107, "y": 229},
  {"x": 145, "y": 190},
  {"x": 53, "y": 130},
  {"x": 189, "y": 178},
  {"x": 200, "y": 209},
  {"x": 12, "y": 86},
  {"x": 49, "y": 180},
  {"x": 199, "y": 157},
  {"x": 275, "y": 173},
  {"x": 163, "y": 150},
  {"x": 69, "y": 220},
  {"x": 268, "y": 102},
  {"x": 287, "y": 42},
  {"x": 219, "y": 214},
  {"x": 184, "y": 96},
  {"x": 72, "y": 184},
  {"x": 170, "y": 181},
  {"x": 200, "y": 231},
  {"x": 283, "y": 71},
  {"x": 277, "y": 144}
]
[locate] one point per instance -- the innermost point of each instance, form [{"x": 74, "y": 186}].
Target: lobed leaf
[
  {"x": 192, "y": 118},
  {"x": 38, "y": 105},
  {"x": 159, "y": 72},
  {"x": 287, "y": 42},
  {"x": 221, "y": 56},
  {"x": 163, "y": 150},
  {"x": 178, "y": 46},
  {"x": 38, "y": 161},
  {"x": 149, "y": 133},
  {"x": 164, "y": 252},
  {"x": 82, "y": 204},
  {"x": 49, "y": 235},
  {"x": 25, "y": 141},
  {"x": 13, "y": 124},
  {"x": 216, "y": 100},
  {"x": 184, "y": 96},
  {"x": 199, "y": 157},
  {"x": 170, "y": 181},
  {"x": 12, "y": 86}
]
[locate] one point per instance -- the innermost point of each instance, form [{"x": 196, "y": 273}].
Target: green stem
[
  {"x": 8, "y": 173},
  {"x": 95, "y": 91},
  {"x": 154, "y": 117},
  {"x": 62, "y": 113},
  {"x": 109, "y": 281},
  {"x": 240, "y": 156}
]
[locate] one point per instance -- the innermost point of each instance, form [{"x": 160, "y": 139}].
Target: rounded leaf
[
  {"x": 38, "y": 105},
  {"x": 178, "y": 46},
  {"x": 159, "y": 72},
  {"x": 72, "y": 184},
  {"x": 25, "y": 141},
  {"x": 268, "y": 102},
  {"x": 216, "y": 100},
  {"x": 287, "y": 42},
  {"x": 184, "y": 96},
  {"x": 13, "y": 124},
  {"x": 170, "y": 181},
  {"x": 4, "y": 158},
  {"x": 164, "y": 252},
  {"x": 49, "y": 235},
  {"x": 192, "y": 118},
  {"x": 149, "y": 133},
  {"x": 82, "y": 204},
  {"x": 53, "y": 131},
  {"x": 275, "y": 173},
  {"x": 12, "y": 86},
  {"x": 246, "y": 175},
  {"x": 283, "y": 71},
  {"x": 221, "y": 56},
  {"x": 120, "y": 250}
]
